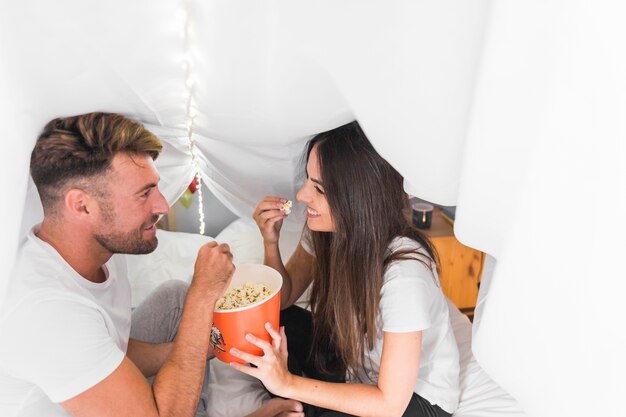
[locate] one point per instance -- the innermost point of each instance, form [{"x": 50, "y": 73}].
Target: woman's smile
[{"x": 311, "y": 213}]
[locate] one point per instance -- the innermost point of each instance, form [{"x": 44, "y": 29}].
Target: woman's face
[{"x": 319, "y": 217}]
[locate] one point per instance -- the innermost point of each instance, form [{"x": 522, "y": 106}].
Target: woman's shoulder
[
  {"x": 409, "y": 259},
  {"x": 401, "y": 245},
  {"x": 403, "y": 242}
]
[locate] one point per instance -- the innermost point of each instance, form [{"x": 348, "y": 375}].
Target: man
[{"x": 66, "y": 319}]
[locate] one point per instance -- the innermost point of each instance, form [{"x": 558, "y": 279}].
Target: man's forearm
[{"x": 178, "y": 383}]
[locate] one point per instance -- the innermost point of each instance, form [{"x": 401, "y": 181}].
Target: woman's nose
[{"x": 301, "y": 195}]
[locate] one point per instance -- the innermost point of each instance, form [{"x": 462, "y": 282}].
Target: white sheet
[
  {"x": 233, "y": 394},
  {"x": 513, "y": 110}
]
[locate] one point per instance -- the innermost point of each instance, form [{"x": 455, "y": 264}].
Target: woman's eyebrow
[{"x": 317, "y": 181}]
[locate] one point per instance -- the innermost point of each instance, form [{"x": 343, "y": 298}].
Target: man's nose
[{"x": 161, "y": 206}]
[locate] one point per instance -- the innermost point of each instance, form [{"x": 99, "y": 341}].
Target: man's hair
[{"x": 73, "y": 150}]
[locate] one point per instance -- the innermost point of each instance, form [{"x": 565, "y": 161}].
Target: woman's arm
[
  {"x": 398, "y": 372},
  {"x": 297, "y": 274},
  {"x": 299, "y": 271}
]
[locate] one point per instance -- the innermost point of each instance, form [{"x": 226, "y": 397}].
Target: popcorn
[
  {"x": 287, "y": 207},
  {"x": 243, "y": 296}
]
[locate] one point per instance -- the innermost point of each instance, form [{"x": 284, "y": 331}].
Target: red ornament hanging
[{"x": 193, "y": 186}]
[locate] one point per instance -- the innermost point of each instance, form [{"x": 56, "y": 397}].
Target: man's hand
[{"x": 213, "y": 270}]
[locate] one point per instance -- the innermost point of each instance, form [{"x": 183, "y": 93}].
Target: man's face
[{"x": 131, "y": 207}]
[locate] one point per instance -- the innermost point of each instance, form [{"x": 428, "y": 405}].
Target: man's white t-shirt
[
  {"x": 60, "y": 334},
  {"x": 412, "y": 300}
]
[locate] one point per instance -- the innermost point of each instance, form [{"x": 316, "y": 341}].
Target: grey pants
[{"x": 156, "y": 320}]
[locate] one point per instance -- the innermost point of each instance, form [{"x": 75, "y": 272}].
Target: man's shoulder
[
  {"x": 37, "y": 276},
  {"x": 36, "y": 268}
]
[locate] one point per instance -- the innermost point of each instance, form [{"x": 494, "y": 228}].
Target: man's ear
[{"x": 78, "y": 203}]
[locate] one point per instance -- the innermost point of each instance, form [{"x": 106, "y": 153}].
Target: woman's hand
[
  {"x": 271, "y": 368},
  {"x": 269, "y": 216}
]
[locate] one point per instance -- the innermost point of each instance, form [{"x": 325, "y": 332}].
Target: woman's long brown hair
[{"x": 366, "y": 198}]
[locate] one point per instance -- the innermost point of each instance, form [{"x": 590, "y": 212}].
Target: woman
[{"x": 380, "y": 320}]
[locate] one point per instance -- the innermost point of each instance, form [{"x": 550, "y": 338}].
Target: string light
[{"x": 190, "y": 116}]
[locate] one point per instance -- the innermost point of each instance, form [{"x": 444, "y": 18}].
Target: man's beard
[{"x": 131, "y": 242}]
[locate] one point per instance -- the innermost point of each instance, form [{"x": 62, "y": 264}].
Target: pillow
[
  {"x": 174, "y": 258},
  {"x": 245, "y": 241}
]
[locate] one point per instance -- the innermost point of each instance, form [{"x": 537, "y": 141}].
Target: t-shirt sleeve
[
  {"x": 64, "y": 347},
  {"x": 407, "y": 297}
]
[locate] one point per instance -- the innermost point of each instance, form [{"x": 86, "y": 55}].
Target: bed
[{"x": 233, "y": 394}]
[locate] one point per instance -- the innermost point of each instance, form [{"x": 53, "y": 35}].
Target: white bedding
[{"x": 233, "y": 394}]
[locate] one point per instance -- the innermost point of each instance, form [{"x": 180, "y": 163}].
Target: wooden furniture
[{"x": 460, "y": 267}]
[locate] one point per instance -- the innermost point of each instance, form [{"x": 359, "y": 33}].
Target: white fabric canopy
[{"x": 513, "y": 111}]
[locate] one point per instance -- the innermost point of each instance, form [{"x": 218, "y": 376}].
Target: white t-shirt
[
  {"x": 60, "y": 334},
  {"x": 412, "y": 300}
]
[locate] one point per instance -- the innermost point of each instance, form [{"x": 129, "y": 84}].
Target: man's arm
[
  {"x": 148, "y": 357},
  {"x": 178, "y": 382}
]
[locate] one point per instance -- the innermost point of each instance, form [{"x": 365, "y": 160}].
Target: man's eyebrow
[{"x": 146, "y": 187}]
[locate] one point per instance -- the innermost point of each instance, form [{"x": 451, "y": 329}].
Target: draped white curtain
[
  {"x": 513, "y": 111},
  {"x": 543, "y": 190}
]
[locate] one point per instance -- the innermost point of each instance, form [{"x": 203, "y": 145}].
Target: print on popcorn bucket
[{"x": 217, "y": 340}]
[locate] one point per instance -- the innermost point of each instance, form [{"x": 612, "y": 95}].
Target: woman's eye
[{"x": 319, "y": 190}]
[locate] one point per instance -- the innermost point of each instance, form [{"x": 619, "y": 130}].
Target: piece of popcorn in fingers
[{"x": 287, "y": 206}]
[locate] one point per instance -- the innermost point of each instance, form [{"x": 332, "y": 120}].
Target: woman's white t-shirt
[{"x": 412, "y": 300}]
